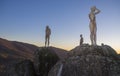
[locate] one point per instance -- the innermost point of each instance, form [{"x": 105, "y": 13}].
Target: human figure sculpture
[
  {"x": 81, "y": 40},
  {"x": 93, "y": 27},
  {"x": 47, "y": 36}
]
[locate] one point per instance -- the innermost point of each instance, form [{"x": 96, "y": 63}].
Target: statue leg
[
  {"x": 91, "y": 33},
  {"x": 48, "y": 40},
  {"x": 95, "y": 39},
  {"x": 45, "y": 41},
  {"x": 91, "y": 37},
  {"x": 95, "y": 36}
]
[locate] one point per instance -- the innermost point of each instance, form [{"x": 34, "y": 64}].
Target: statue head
[
  {"x": 93, "y": 8},
  {"x": 47, "y": 26},
  {"x": 80, "y": 35}
]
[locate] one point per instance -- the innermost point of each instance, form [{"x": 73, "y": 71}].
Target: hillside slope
[{"x": 14, "y": 51}]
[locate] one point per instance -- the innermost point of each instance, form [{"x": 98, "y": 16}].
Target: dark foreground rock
[
  {"x": 89, "y": 60},
  {"x": 45, "y": 59},
  {"x": 22, "y": 68}
]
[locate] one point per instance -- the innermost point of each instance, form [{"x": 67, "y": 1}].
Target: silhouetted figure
[
  {"x": 102, "y": 44},
  {"x": 47, "y": 36},
  {"x": 93, "y": 27},
  {"x": 81, "y": 40}
]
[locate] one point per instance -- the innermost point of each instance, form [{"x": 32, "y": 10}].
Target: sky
[{"x": 25, "y": 21}]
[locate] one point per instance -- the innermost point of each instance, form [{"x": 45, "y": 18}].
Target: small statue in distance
[
  {"x": 81, "y": 40},
  {"x": 47, "y": 36}
]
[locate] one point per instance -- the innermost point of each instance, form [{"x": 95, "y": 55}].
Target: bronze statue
[
  {"x": 93, "y": 27},
  {"x": 81, "y": 40},
  {"x": 47, "y": 36}
]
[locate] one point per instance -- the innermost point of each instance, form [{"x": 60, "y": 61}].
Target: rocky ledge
[{"x": 87, "y": 60}]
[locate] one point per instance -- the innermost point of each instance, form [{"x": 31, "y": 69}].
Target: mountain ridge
[{"x": 13, "y": 51}]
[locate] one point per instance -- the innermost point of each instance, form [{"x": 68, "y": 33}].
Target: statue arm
[{"x": 97, "y": 11}]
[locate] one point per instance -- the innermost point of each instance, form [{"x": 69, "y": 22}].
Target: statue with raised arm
[
  {"x": 93, "y": 27},
  {"x": 47, "y": 36}
]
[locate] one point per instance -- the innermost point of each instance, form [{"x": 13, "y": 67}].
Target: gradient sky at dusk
[{"x": 25, "y": 20}]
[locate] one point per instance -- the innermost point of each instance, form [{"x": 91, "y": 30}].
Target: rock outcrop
[
  {"x": 86, "y": 60},
  {"x": 86, "y": 49},
  {"x": 21, "y": 68},
  {"x": 45, "y": 59},
  {"x": 12, "y": 51}
]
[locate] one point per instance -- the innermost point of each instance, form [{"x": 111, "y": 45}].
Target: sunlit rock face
[
  {"x": 87, "y": 60},
  {"x": 86, "y": 49}
]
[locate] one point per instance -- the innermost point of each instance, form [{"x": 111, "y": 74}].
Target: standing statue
[
  {"x": 93, "y": 27},
  {"x": 47, "y": 36},
  {"x": 81, "y": 40}
]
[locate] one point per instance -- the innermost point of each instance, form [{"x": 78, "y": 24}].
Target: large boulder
[
  {"x": 89, "y": 60},
  {"x": 86, "y": 49},
  {"x": 45, "y": 59},
  {"x": 21, "y": 68}
]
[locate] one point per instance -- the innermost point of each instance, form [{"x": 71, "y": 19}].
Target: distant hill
[
  {"x": 12, "y": 51},
  {"x": 15, "y": 49}
]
